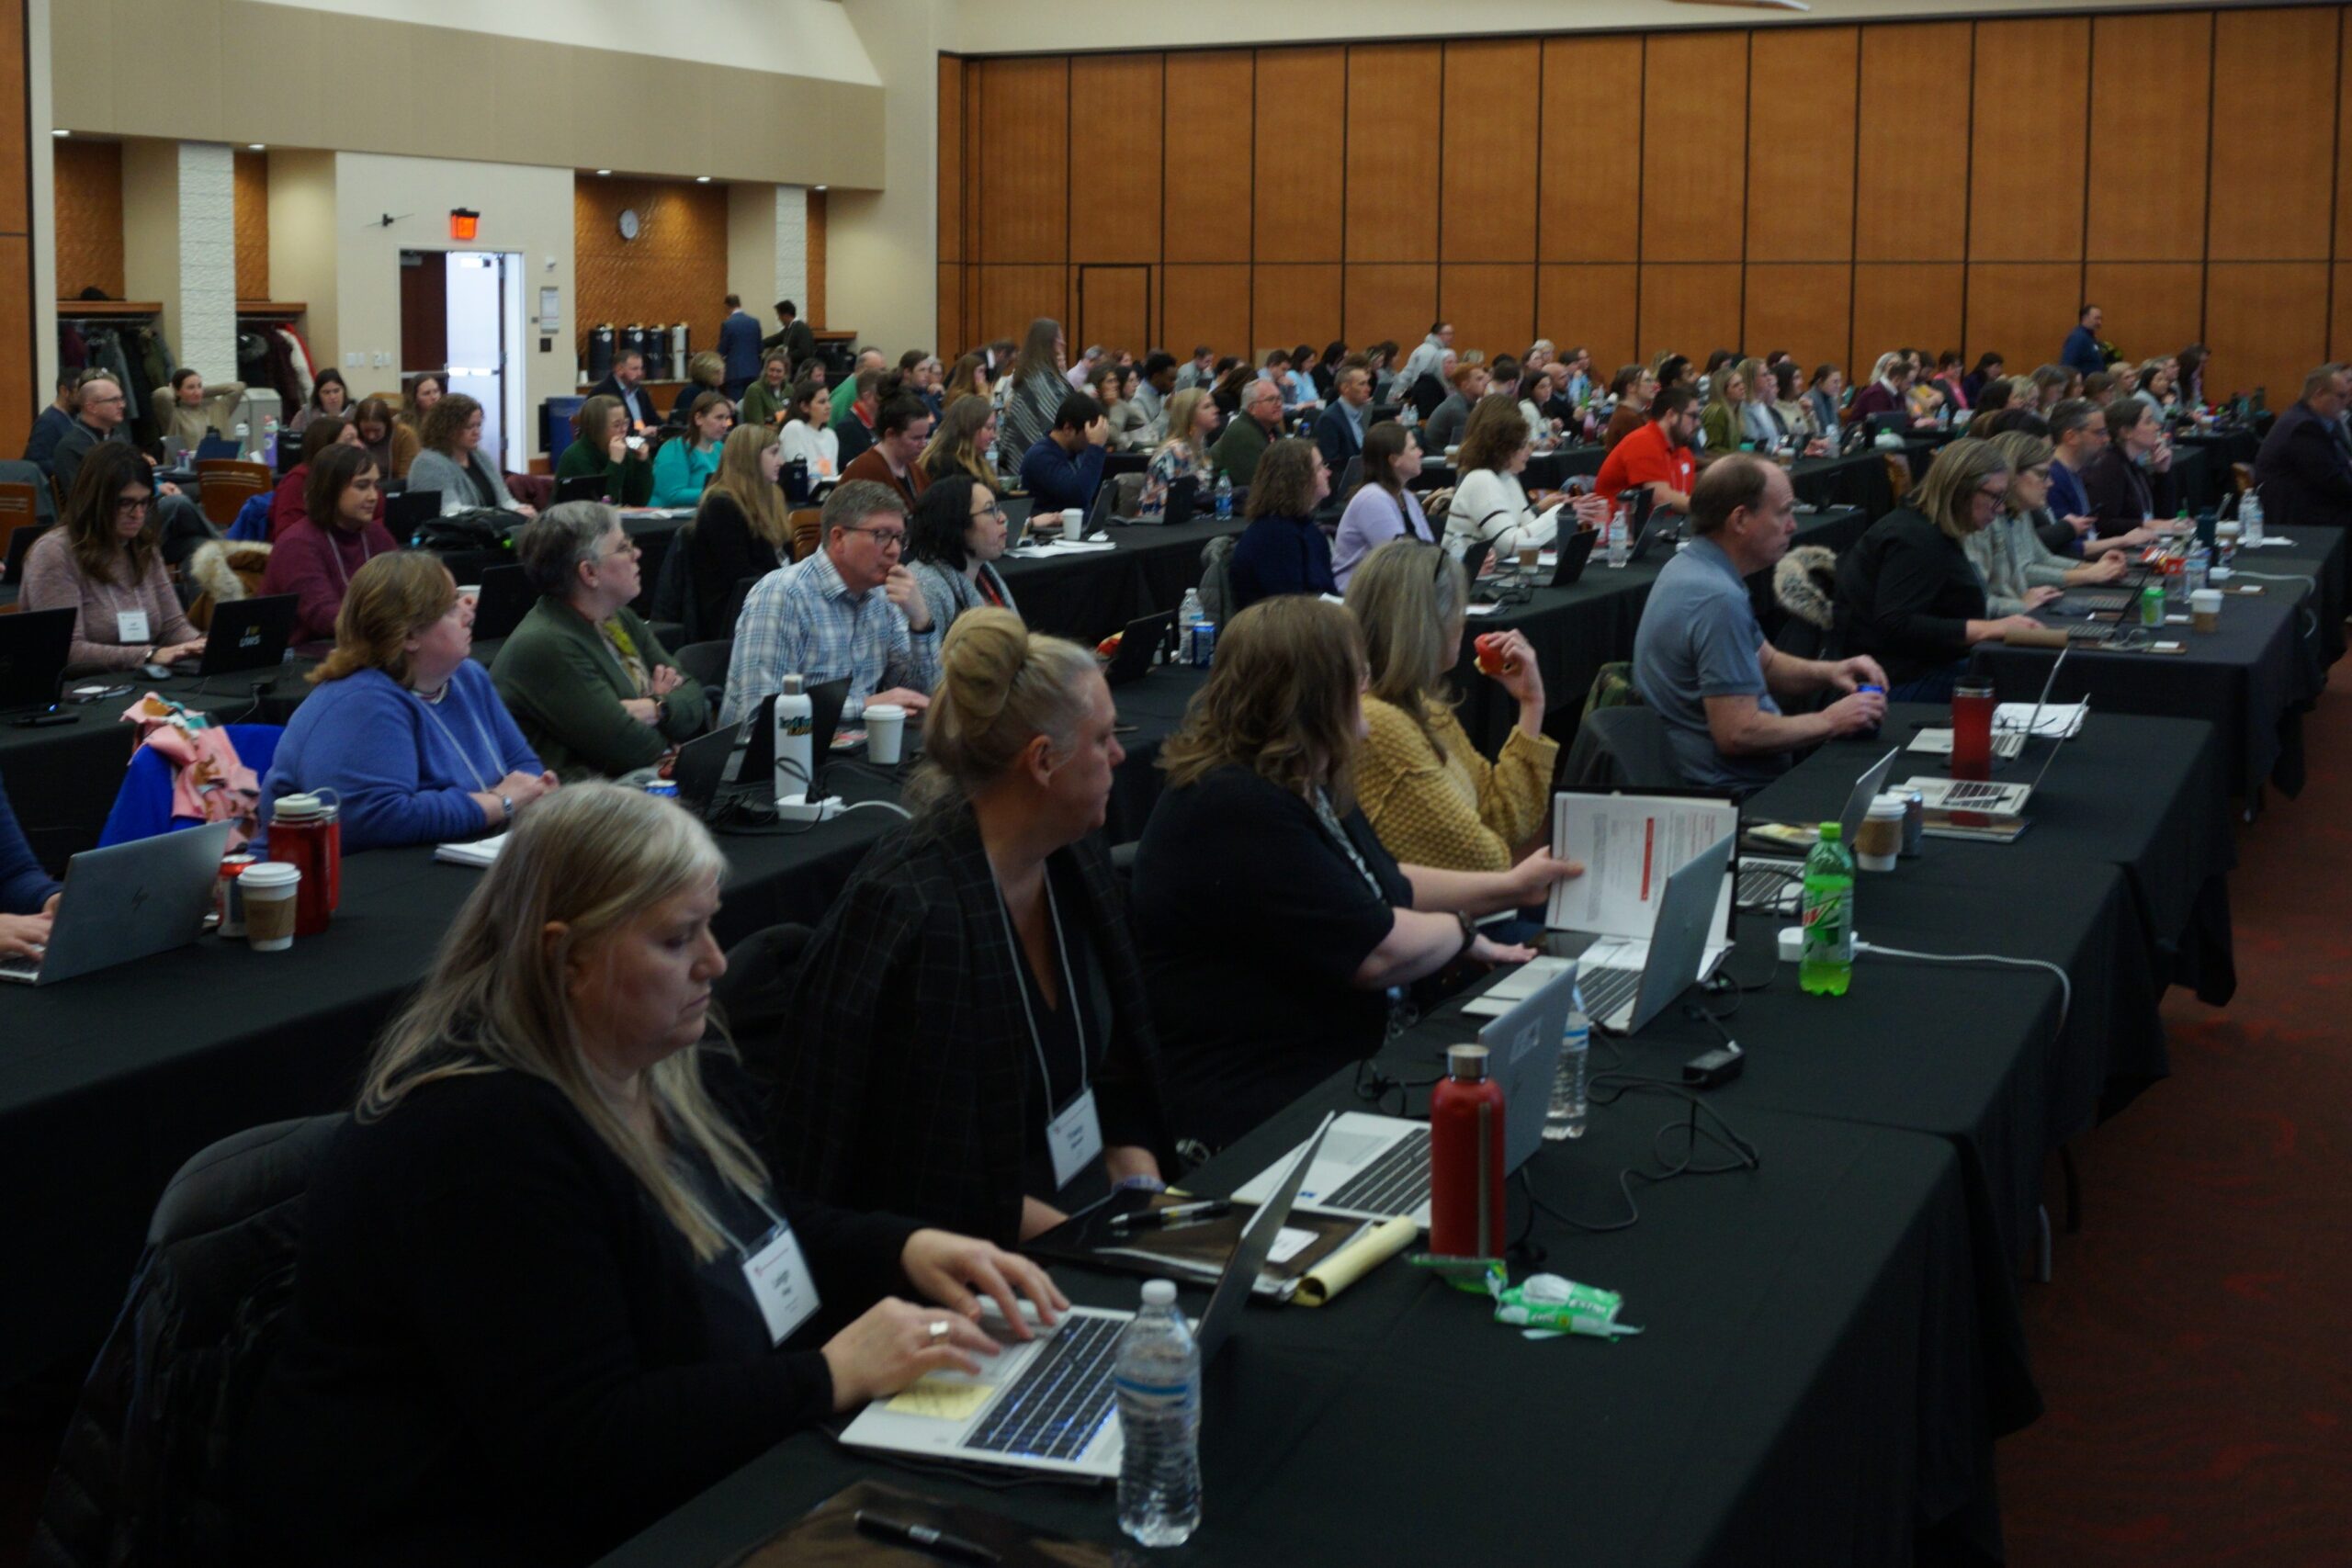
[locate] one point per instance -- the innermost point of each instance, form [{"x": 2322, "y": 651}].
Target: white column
[
  {"x": 179, "y": 226},
  {"x": 791, "y": 245}
]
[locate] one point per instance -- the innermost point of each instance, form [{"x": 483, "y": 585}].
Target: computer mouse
[{"x": 155, "y": 672}]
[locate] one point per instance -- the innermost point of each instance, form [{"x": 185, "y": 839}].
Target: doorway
[
  {"x": 1115, "y": 308},
  {"x": 461, "y": 314}
]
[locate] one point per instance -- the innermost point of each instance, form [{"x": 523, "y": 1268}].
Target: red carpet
[{"x": 2191, "y": 1345}]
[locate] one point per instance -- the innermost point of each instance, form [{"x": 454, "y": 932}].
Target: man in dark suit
[
  {"x": 739, "y": 344},
  {"x": 1339, "y": 431},
  {"x": 2131, "y": 481},
  {"x": 628, "y": 383},
  {"x": 2303, "y": 470},
  {"x": 796, "y": 337}
]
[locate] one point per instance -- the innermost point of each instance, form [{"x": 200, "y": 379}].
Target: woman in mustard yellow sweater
[{"x": 1425, "y": 789}]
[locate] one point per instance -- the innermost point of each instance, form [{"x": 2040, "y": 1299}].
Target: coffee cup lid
[
  {"x": 1886, "y": 806},
  {"x": 270, "y": 874},
  {"x": 884, "y": 710}
]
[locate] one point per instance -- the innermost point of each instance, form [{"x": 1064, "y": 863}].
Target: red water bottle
[
  {"x": 1466, "y": 1159},
  {"x": 306, "y": 830}
]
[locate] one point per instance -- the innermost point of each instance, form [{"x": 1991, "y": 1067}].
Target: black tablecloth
[
  {"x": 1859, "y": 480},
  {"x": 1089, "y": 595}
]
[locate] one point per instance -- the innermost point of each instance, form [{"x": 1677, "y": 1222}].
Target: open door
[
  {"x": 485, "y": 332},
  {"x": 1114, "y": 308}
]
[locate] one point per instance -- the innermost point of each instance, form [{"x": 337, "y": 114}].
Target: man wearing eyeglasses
[
  {"x": 180, "y": 525},
  {"x": 851, "y": 609}
]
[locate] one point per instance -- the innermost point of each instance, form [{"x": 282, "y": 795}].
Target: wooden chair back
[{"x": 806, "y": 531}]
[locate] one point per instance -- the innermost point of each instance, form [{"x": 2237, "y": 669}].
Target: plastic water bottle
[
  {"x": 1190, "y": 615},
  {"x": 1564, "y": 1117},
  {"x": 1828, "y": 965},
  {"x": 2250, "y": 517},
  {"x": 795, "y": 724},
  {"x": 243, "y": 434},
  {"x": 2200, "y": 563},
  {"x": 1618, "y": 545},
  {"x": 1158, "y": 1383},
  {"x": 269, "y": 441},
  {"x": 1224, "y": 497}
]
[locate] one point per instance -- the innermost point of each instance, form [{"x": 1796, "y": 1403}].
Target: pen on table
[
  {"x": 1174, "y": 1217},
  {"x": 937, "y": 1542}
]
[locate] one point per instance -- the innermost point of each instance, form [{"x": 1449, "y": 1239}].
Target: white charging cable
[{"x": 2065, "y": 986}]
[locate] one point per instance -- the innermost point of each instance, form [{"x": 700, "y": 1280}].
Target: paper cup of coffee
[
  {"x": 1879, "y": 839},
  {"x": 269, "y": 888},
  {"x": 2205, "y": 609},
  {"x": 469, "y": 591},
  {"x": 886, "y": 733},
  {"x": 1527, "y": 554},
  {"x": 1074, "y": 519}
]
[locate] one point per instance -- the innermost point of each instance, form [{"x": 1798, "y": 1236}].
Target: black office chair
[
  {"x": 754, "y": 993},
  {"x": 142, "y": 1474},
  {"x": 1623, "y": 748},
  {"x": 706, "y": 662}
]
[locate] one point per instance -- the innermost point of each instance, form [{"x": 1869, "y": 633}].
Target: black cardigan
[
  {"x": 721, "y": 551},
  {"x": 2123, "y": 495},
  {"x": 1906, "y": 591},
  {"x": 500, "y": 1351},
  {"x": 907, "y": 1056}
]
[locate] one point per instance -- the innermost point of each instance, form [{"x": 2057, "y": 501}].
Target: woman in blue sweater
[
  {"x": 27, "y": 894},
  {"x": 405, "y": 727},
  {"x": 685, "y": 463},
  {"x": 1284, "y": 549}
]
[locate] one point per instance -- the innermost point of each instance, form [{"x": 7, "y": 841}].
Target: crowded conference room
[{"x": 989, "y": 781}]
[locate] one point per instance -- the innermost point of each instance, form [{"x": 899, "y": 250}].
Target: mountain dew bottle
[{"x": 1826, "y": 967}]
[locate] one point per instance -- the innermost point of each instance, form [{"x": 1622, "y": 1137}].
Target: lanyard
[
  {"x": 1069, "y": 989},
  {"x": 334, "y": 557},
  {"x": 1331, "y": 821},
  {"x": 479, "y": 734}
]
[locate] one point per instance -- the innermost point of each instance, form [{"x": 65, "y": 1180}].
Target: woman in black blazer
[
  {"x": 1907, "y": 594},
  {"x": 741, "y": 530},
  {"x": 970, "y": 1041},
  {"x": 546, "y": 1290}
]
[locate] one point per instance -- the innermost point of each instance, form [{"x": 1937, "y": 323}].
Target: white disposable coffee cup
[
  {"x": 469, "y": 591},
  {"x": 2205, "y": 608},
  {"x": 886, "y": 733},
  {"x": 1879, "y": 841},
  {"x": 269, "y": 887},
  {"x": 1074, "y": 518}
]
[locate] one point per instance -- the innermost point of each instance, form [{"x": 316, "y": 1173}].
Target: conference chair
[
  {"x": 143, "y": 1475},
  {"x": 755, "y": 994},
  {"x": 806, "y": 530},
  {"x": 706, "y": 662},
  {"x": 16, "y": 471},
  {"x": 143, "y": 807},
  {"x": 226, "y": 485},
  {"x": 1623, "y": 746}
]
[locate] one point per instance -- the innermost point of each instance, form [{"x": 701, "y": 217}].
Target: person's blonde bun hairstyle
[{"x": 1000, "y": 687}]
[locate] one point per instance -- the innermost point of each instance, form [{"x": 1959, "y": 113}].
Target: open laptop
[
  {"x": 741, "y": 756},
  {"x": 1377, "y": 1167},
  {"x": 1575, "y": 549},
  {"x": 411, "y": 510},
  {"x": 246, "y": 634},
  {"x": 220, "y": 449},
  {"x": 506, "y": 598},
  {"x": 1183, "y": 496},
  {"x": 1979, "y": 808},
  {"x": 1766, "y": 883},
  {"x": 34, "y": 648},
  {"x": 127, "y": 901},
  {"x": 1046, "y": 1405},
  {"x": 1137, "y": 645},
  {"x": 20, "y": 544},
  {"x": 579, "y": 487}
]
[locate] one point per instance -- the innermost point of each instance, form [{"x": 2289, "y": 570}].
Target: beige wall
[
  {"x": 44, "y": 197},
  {"x": 302, "y": 239},
  {"x": 882, "y": 246}
]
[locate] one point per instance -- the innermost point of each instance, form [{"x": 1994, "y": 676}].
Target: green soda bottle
[{"x": 1827, "y": 966}]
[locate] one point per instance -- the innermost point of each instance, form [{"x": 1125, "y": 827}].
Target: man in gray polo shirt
[{"x": 1701, "y": 661}]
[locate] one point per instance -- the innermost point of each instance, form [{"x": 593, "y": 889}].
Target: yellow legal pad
[{"x": 941, "y": 1400}]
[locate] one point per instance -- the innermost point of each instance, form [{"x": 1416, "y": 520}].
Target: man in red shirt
[{"x": 1659, "y": 454}]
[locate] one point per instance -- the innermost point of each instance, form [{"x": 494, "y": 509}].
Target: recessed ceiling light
[
  {"x": 603, "y": 171},
  {"x": 701, "y": 179},
  {"x": 819, "y": 187},
  {"x": 256, "y": 146},
  {"x": 61, "y": 133}
]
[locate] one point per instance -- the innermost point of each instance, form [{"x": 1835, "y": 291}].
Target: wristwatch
[
  {"x": 507, "y": 803},
  {"x": 1469, "y": 933}
]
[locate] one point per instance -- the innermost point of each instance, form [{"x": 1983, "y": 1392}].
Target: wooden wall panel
[
  {"x": 1393, "y": 95},
  {"x": 1902, "y": 306},
  {"x": 1115, "y": 159},
  {"x": 953, "y": 337},
  {"x": 1694, "y": 142},
  {"x": 2146, "y": 170},
  {"x": 1803, "y": 306},
  {"x": 1492, "y": 305},
  {"x": 2023, "y": 309},
  {"x": 16, "y": 192},
  {"x": 818, "y": 202},
  {"x": 1023, "y": 169},
  {"x": 2033, "y": 89},
  {"x": 1591, "y": 305},
  {"x": 675, "y": 270},
  {"x": 951, "y": 162},
  {"x": 2342, "y": 145},
  {"x": 1801, "y": 179},
  {"x": 2274, "y": 80},
  {"x": 1205, "y": 175},
  {"x": 1300, "y": 148},
  {"x": 2266, "y": 324},
  {"x": 1392, "y": 300},
  {"x": 1488, "y": 152},
  {"x": 1910, "y": 192},
  {"x": 2339, "y": 325},
  {"x": 1012, "y": 296},
  {"x": 89, "y": 217},
  {"x": 2151, "y": 308},
  {"x": 1204, "y": 304},
  {"x": 1113, "y": 308},
  {"x": 1692, "y": 308},
  {"x": 20, "y": 395},
  {"x": 251, "y": 173},
  {"x": 1291, "y": 305},
  {"x": 1589, "y": 187}
]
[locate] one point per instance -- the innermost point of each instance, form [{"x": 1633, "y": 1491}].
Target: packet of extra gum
[{"x": 1547, "y": 1306}]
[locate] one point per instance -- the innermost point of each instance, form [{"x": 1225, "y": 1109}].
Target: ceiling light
[
  {"x": 61, "y": 133},
  {"x": 817, "y": 188},
  {"x": 256, "y": 146},
  {"x": 603, "y": 171},
  {"x": 701, "y": 179}
]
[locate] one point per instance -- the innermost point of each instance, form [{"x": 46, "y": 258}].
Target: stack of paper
[{"x": 476, "y": 853}]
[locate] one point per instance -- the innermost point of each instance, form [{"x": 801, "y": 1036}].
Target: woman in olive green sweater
[
  {"x": 768, "y": 400},
  {"x": 585, "y": 679},
  {"x": 627, "y": 470}
]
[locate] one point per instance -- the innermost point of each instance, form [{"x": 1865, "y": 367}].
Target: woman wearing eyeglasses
[
  {"x": 105, "y": 562},
  {"x": 954, "y": 538}
]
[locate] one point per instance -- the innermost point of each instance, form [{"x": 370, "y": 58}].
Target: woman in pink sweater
[{"x": 103, "y": 560}]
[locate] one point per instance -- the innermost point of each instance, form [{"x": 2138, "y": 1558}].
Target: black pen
[
  {"x": 1174, "y": 1217},
  {"x": 937, "y": 1542}
]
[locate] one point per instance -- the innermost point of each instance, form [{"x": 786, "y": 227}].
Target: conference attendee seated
[
  {"x": 391, "y": 443},
  {"x": 532, "y": 1308},
  {"x": 2020, "y": 572},
  {"x": 1534, "y": 399},
  {"x": 1721, "y": 423},
  {"x": 603, "y": 446},
  {"x": 2304, "y": 469},
  {"x": 27, "y": 894},
  {"x": 1701, "y": 662},
  {"x": 849, "y": 609},
  {"x": 1907, "y": 594},
  {"x": 1428, "y": 355},
  {"x": 1888, "y": 393},
  {"x": 705, "y": 372},
  {"x": 419, "y": 393},
  {"x": 1796, "y": 417},
  {"x": 1283, "y": 550},
  {"x": 686, "y": 461},
  {"x": 104, "y": 561},
  {"x": 1064, "y": 468},
  {"x": 449, "y": 460},
  {"x": 1824, "y": 395},
  {"x": 53, "y": 421},
  {"x": 1339, "y": 429},
  {"x": 1761, "y": 426},
  {"x": 289, "y": 503},
  {"x": 973, "y": 991},
  {"x": 1424, "y": 787},
  {"x": 1273, "y": 925},
  {"x": 955, "y": 536},
  {"x": 1183, "y": 455},
  {"x": 741, "y": 532},
  {"x": 854, "y": 425},
  {"x": 1490, "y": 505},
  {"x": 180, "y": 527},
  {"x": 340, "y": 530},
  {"x": 590, "y": 687},
  {"x": 404, "y": 726},
  {"x": 626, "y": 383},
  {"x": 329, "y": 398},
  {"x": 2130, "y": 484},
  {"x": 806, "y": 438},
  {"x": 1444, "y": 427},
  {"x": 848, "y": 390},
  {"x": 963, "y": 441},
  {"x": 188, "y": 410},
  {"x": 1630, "y": 390},
  {"x": 1258, "y": 417},
  {"x": 901, "y": 430},
  {"x": 1155, "y": 384},
  {"x": 1382, "y": 508},
  {"x": 767, "y": 399},
  {"x": 1657, "y": 454}
]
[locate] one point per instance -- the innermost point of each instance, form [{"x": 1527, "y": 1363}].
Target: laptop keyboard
[
  {"x": 1395, "y": 1183},
  {"x": 2095, "y": 600},
  {"x": 1061, "y": 1398},
  {"x": 1970, "y": 795},
  {"x": 1608, "y": 992},
  {"x": 1764, "y": 883},
  {"x": 23, "y": 969}
]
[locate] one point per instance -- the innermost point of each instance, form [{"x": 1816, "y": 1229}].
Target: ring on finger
[{"x": 937, "y": 1330}]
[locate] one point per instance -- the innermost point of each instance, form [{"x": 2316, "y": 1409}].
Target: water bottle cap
[
  {"x": 1467, "y": 1063},
  {"x": 1158, "y": 1292},
  {"x": 792, "y": 685}
]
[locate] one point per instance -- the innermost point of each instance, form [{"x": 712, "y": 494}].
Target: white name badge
[
  {"x": 130, "y": 626},
  {"x": 1074, "y": 1138},
  {"x": 779, "y": 1279}
]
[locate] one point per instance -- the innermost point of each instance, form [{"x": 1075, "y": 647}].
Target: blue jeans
[{"x": 1935, "y": 686}]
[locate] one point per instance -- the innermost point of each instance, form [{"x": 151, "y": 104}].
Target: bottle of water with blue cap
[{"x": 1158, "y": 1380}]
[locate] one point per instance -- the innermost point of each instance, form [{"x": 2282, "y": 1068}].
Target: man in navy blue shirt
[
  {"x": 1064, "y": 468},
  {"x": 54, "y": 422},
  {"x": 1339, "y": 431},
  {"x": 2082, "y": 351},
  {"x": 739, "y": 344},
  {"x": 27, "y": 894}
]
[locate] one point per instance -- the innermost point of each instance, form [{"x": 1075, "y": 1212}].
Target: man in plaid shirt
[{"x": 850, "y": 609}]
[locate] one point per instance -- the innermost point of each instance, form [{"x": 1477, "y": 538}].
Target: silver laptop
[
  {"x": 1769, "y": 882},
  {"x": 127, "y": 901},
  {"x": 1046, "y": 1403},
  {"x": 1375, "y": 1168}
]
